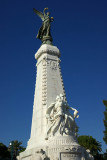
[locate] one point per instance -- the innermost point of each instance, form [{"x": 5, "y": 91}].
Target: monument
[{"x": 53, "y": 131}]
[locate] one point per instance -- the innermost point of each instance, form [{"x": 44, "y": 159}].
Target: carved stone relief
[
  {"x": 50, "y": 62},
  {"x": 60, "y": 120}
]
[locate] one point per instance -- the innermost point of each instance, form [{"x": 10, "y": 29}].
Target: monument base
[
  {"x": 58, "y": 148},
  {"x": 64, "y": 148}
]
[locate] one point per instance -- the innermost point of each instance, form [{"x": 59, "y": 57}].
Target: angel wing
[{"x": 40, "y": 14}]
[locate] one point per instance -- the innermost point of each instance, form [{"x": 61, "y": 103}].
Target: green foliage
[
  {"x": 88, "y": 142},
  {"x": 16, "y": 147},
  {"x": 105, "y": 122},
  {"x": 13, "y": 150},
  {"x": 105, "y": 156},
  {"x": 99, "y": 157},
  {"x": 4, "y": 153}
]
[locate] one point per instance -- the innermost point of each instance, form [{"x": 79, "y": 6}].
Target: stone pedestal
[
  {"x": 64, "y": 147},
  {"x": 53, "y": 128}
]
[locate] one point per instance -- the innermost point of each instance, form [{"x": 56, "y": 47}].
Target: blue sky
[{"x": 79, "y": 30}]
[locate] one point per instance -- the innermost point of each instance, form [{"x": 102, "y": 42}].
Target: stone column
[{"x": 49, "y": 84}]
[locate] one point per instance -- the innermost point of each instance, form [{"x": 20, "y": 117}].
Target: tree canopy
[
  {"x": 4, "y": 153},
  {"x": 88, "y": 142},
  {"x": 16, "y": 147},
  {"x": 105, "y": 122},
  {"x": 12, "y": 150}
]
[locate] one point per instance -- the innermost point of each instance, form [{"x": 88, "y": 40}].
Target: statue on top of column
[{"x": 44, "y": 32}]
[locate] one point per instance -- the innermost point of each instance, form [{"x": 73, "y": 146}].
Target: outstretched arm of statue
[
  {"x": 75, "y": 112},
  {"x": 68, "y": 107}
]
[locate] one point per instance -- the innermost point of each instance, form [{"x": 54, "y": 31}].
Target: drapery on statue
[
  {"x": 60, "y": 120},
  {"x": 44, "y": 32}
]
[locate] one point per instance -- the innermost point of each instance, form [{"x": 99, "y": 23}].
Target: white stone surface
[
  {"x": 49, "y": 84},
  {"x": 60, "y": 142},
  {"x": 60, "y": 120}
]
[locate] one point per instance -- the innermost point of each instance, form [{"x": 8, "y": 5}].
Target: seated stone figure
[{"x": 60, "y": 120}]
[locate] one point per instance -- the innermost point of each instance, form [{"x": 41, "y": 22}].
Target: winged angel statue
[{"x": 44, "y": 32}]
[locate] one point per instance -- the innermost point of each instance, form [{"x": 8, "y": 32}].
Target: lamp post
[{"x": 11, "y": 148}]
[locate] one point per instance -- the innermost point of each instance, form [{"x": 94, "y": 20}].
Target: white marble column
[{"x": 49, "y": 84}]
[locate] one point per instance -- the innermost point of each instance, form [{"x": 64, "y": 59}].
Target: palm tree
[{"x": 16, "y": 148}]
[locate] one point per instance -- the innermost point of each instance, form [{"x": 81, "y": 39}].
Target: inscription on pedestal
[{"x": 69, "y": 156}]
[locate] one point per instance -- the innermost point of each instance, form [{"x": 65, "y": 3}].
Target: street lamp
[{"x": 11, "y": 148}]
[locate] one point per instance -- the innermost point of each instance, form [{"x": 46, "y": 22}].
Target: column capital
[{"x": 49, "y": 49}]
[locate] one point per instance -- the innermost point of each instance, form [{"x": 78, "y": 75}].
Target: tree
[
  {"x": 105, "y": 121},
  {"x": 88, "y": 142},
  {"x": 4, "y": 153},
  {"x": 16, "y": 148}
]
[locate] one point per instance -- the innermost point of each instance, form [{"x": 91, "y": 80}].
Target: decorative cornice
[{"x": 49, "y": 49}]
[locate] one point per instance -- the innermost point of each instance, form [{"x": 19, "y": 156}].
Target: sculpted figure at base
[
  {"x": 42, "y": 155},
  {"x": 44, "y": 32},
  {"x": 60, "y": 120}
]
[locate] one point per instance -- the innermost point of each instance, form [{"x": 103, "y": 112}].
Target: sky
[{"x": 79, "y": 31}]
